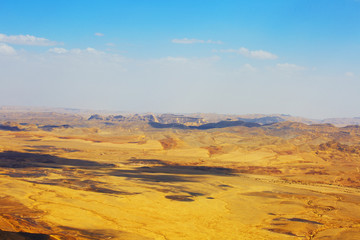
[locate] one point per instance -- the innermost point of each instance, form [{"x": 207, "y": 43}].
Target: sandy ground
[{"x": 143, "y": 183}]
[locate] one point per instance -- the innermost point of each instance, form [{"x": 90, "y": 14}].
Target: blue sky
[{"x": 298, "y": 57}]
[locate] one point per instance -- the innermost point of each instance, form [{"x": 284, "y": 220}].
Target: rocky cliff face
[
  {"x": 180, "y": 119},
  {"x": 162, "y": 118}
]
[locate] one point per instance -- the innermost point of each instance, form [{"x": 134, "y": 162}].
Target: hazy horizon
[
  {"x": 229, "y": 57},
  {"x": 112, "y": 112}
]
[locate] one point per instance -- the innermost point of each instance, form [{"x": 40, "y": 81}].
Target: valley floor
[{"x": 113, "y": 183}]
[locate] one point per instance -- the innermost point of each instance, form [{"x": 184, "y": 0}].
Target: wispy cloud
[
  {"x": 193, "y": 40},
  {"x": 58, "y": 50},
  {"x": 93, "y": 50},
  {"x": 176, "y": 59},
  {"x": 6, "y": 49},
  {"x": 98, "y": 34},
  {"x": 258, "y": 54},
  {"x": 75, "y": 51},
  {"x": 289, "y": 67},
  {"x": 191, "y": 61},
  {"x": 26, "y": 40},
  {"x": 249, "y": 68},
  {"x": 109, "y": 80},
  {"x": 349, "y": 74}
]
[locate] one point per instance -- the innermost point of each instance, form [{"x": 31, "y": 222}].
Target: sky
[{"x": 297, "y": 57}]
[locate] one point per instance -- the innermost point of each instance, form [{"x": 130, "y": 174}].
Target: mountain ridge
[{"x": 16, "y": 112}]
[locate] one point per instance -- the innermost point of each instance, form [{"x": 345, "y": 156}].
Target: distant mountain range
[{"x": 7, "y": 113}]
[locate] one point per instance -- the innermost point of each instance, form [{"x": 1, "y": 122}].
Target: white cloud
[
  {"x": 111, "y": 44},
  {"x": 75, "y": 51},
  {"x": 176, "y": 59},
  {"x": 108, "y": 81},
  {"x": 93, "y": 50},
  {"x": 260, "y": 54},
  {"x": 193, "y": 40},
  {"x": 349, "y": 74},
  {"x": 249, "y": 67},
  {"x": 257, "y": 54},
  {"x": 6, "y": 49},
  {"x": 289, "y": 67},
  {"x": 58, "y": 50},
  {"x": 247, "y": 70},
  {"x": 190, "y": 61},
  {"x": 99, "y": 34},
  {"x": 26, "y": 40}
]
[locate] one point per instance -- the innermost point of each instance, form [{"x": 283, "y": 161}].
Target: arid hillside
[{"x": 76, "y": 176}]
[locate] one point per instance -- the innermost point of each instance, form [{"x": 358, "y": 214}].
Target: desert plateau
[
  {"x": 179, "y": 120},
  {"x": 66, "y": 175}
]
